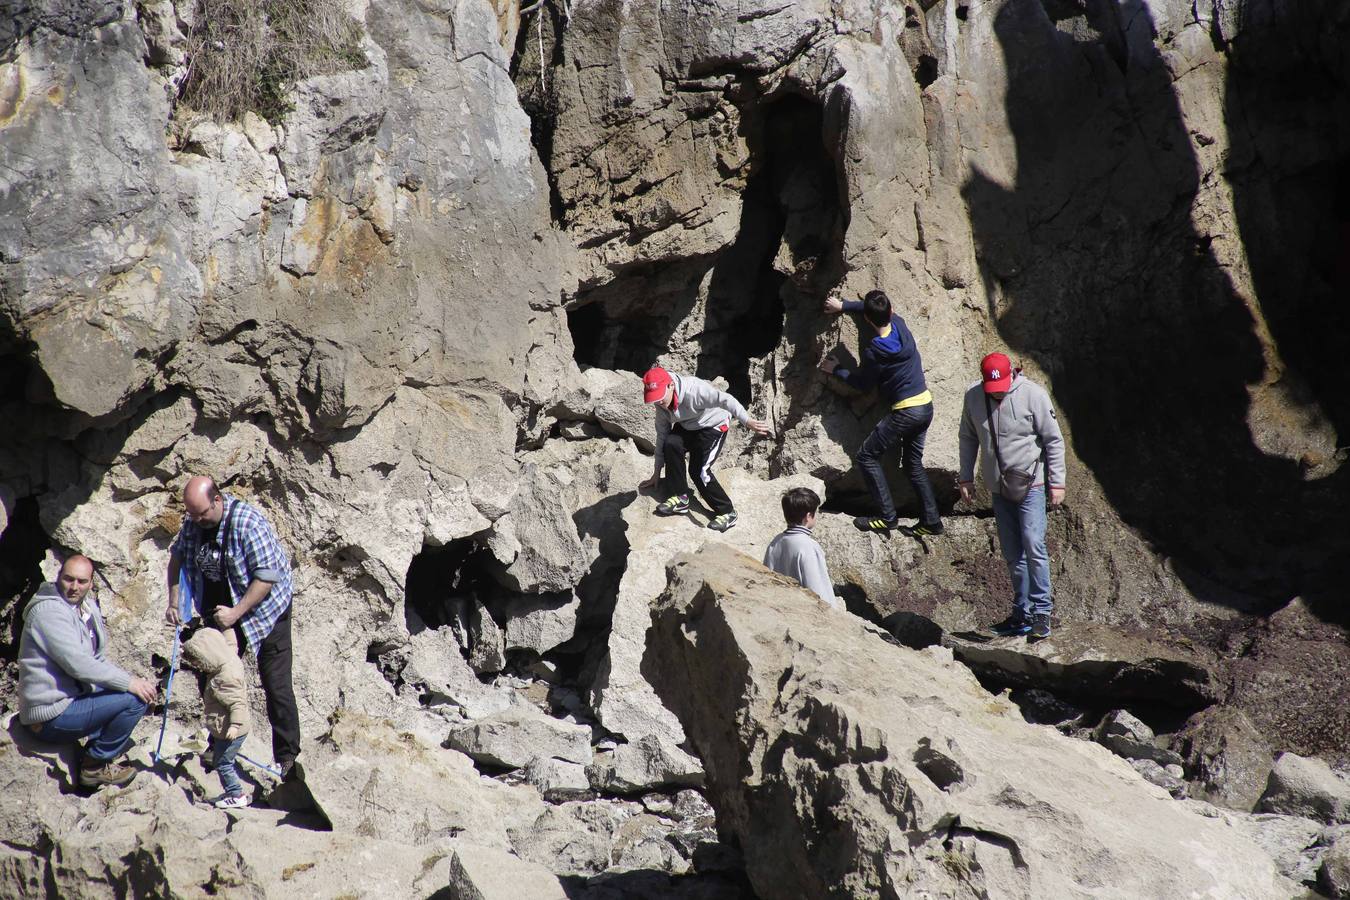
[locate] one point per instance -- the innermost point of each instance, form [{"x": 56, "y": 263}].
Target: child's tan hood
[{"x": 208, "y": 651}]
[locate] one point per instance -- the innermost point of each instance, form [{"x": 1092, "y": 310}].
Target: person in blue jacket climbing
[{"x": 891, "y": 364}]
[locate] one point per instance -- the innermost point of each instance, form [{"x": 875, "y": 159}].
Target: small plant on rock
[{"x": 245, "y": 54}]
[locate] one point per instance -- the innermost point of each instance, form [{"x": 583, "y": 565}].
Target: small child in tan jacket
[{"x": 225, "y": 697}]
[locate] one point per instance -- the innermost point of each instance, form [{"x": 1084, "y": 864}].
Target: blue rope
[
  {"x": 186, "y": 605},
  {"x": 168, "y": 692},
  {"x": 257, "y": 765}
]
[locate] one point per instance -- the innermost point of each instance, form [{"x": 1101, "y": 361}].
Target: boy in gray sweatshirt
[
  {"x": 795, "y": 553},
  {"x": 67, "y": 687}
]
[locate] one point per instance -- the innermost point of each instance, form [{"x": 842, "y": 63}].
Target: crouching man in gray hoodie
[
  {"x": 1009, "y": 421},
  {"x": 692, "y": 418},
  {"x": 67, "y": 687},
  {"x": 795, "y": 553}
]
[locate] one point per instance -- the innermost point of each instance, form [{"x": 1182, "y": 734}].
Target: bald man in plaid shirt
[{"x": 242, "y": 581}]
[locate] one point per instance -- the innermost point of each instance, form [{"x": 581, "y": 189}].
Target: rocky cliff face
[{"x": 404, "y": 317}]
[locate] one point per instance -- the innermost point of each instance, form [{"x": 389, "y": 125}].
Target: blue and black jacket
[{"x": 891, "y": 364}]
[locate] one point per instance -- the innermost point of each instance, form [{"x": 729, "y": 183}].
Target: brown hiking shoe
[{"x": 98, "y": 774}]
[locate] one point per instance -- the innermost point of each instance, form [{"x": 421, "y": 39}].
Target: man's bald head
[
  {"x": 203, "y": 501},
  {"x": 75, "y": 579}
]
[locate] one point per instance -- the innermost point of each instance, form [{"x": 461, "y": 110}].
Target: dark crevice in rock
[
  {"x": 22, "y": 547},
  {"x": 437, "y": 575},
  {"x": 787, "y": 254},
  {"x": 536, "y": 92},
  {"x": 926, "y": 71}
]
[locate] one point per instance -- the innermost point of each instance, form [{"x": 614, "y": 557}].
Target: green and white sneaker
[
  {"x": 673, "y": 506},
  {"x": 724, "y": 522}
]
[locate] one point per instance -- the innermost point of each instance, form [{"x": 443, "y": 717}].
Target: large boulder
[
  {"x": 892, "y": 772},
  {"x": 623, "y": 701},
  {"x": 1227, "y": 757},
  {"x": 487, "y": 873},
  {"x": 1300, "y": 786},
  {"x": 367, "y": 778},
  {"x": 515, "y": 737}
]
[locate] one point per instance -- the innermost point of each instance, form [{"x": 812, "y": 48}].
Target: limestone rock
[
  {"x": 515, "y": 737},
  {"x": 438, "y": 672},
  {"x": 540, "y": 624},
  {"x": 905, "y": 745},
  {"x": 613, "y": 400},
  {"x": 488, "y": 873},
  {"x": 487, "y": 649},
  {"x": 557, "y": 779},
  {"x": 575, "y": 838},
  {"x": 1334, "y": 876},
  {"x": 1229, "y": 760},
  {"x": 1301, "y": 786},
  {"x": 1155, "y": 774},
  {"x": 536, "y": 541},
  {"x": 367, "y": 778},
  {"x": 648, "y": 763},
  {"x": 1292, "y": 841},
  {"x": 1125, "y": 735},
  {"x": 1094, "y": 661},
  {"x": 623, "y": 701}
]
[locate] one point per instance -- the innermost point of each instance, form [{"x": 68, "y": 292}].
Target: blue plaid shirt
[{"x": 253, "y": 551}]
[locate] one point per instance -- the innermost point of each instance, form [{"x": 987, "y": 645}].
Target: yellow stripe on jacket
[{"x": 916, "y": 400}]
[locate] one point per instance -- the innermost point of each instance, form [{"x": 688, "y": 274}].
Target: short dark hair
[
  {"x": 877, "y": 308},
  {"x": 799, "y": 503}
]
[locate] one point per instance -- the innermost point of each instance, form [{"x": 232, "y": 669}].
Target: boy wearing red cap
[
  {"x": 1009, "y": 421},
  {"x": 692, "y": 419}
]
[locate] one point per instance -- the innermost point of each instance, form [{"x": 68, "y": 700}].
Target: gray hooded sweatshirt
[
  {"x": 59, "y": 659},
  {"x": 698, "y": 404},
  {"x": 1029, "y": 439},
  {"x": 796, "y": 554}
]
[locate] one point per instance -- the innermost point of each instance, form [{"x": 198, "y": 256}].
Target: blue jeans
[
  {"x": 907, "y": 428},
  {"x": 223, "y": 751},
  {"x": 1021, "y": 534},
  {"x": 107, "y": 718}
]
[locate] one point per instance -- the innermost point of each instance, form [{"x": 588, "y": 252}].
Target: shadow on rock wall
[{"x": 1096, "y": 271}]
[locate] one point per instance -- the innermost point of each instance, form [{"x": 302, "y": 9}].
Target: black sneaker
[
  {"x": 877, "y": 524},
  {"x": 923, "y": 529},
  {"x": 724, "y": 522},
  {"x": 1040, "y": 627},
  {"x": 673, "y": 506},
  {"x": 1012, "y": 626}
]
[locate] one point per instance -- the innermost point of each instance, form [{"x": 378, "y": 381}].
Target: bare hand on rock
[
  {"x": 967, "y": 492},
  {"x": 833, "y": 305},
  {"x": 648, "y": 484},
  {"x": 758, "y": 426},
  {"x": 828, "y": 365},
  {"x": 144, "y": 689}
]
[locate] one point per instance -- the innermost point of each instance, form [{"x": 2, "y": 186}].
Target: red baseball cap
[
  {"x": 997, "y": 371},
  {"x": 654, "y": 383}
]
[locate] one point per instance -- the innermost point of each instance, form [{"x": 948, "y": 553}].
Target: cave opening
[
  {"x": 437, "y": 576},
  {"x": 23, "y": 545},
  {"x": 788, "y": 252}
]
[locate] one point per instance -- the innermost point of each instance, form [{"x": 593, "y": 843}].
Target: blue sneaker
[{"x": 1012, "y": 626}]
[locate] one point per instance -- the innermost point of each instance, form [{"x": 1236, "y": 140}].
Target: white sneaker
[{"x": 230, "y": 801}]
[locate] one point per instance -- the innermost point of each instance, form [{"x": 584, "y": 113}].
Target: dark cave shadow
[
  {"x": 653, "y": 884},
  {"x": 1287, "y": 105},
  {"x": 1095, "y": 271}
]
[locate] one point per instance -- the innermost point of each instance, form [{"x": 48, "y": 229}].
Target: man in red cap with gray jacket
[
  {"x": 692, "y": 419},
  {"x": 1009, "y": 420}
]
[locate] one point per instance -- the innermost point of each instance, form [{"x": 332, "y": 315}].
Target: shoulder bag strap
[{"x": 993, "y": 434}]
